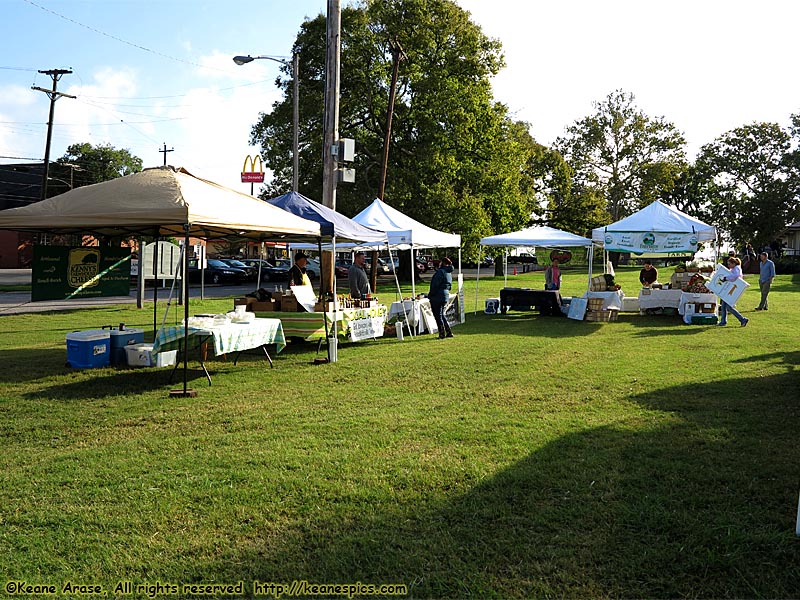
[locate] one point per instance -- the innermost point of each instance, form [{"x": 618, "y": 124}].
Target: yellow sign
[
  {"x": 253, "y": 175},
  {"x": 83, "y": 267}
]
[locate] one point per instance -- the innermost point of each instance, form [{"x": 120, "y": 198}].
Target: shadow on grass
[
  {"x": 695, "y": 506},
  {"x": 96, "y": 384}
]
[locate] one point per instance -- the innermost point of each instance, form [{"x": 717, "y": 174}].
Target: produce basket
[
  {"x": 594, "y": 304},
  {"x": 601, "y": 315}
]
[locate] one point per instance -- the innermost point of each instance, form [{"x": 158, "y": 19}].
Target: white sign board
[
  {"x": 728, "y": 291},
  {"x": 366, "y": 328},
  {"x": 577, "y": 309},
  {"x": 168, "y": 261},
  {"x": 305, "y": 296}
]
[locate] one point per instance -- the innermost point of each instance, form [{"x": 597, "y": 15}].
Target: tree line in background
[{"x": 458, "y": 161}]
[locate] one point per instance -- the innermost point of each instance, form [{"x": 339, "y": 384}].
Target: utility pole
[
  {"x": 296, "y": 121},
  {"x": 331, "y": 123},
  {"x": 53, "y": 95},
  {"x": 397, "y": 55},
  {"x": 164, "y": 152}
]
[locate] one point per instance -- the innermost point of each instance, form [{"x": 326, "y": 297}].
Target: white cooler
[{"x": 141, "y": 355}]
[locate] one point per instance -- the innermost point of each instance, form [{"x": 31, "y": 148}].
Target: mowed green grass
[{"x": 529, "y": 456}]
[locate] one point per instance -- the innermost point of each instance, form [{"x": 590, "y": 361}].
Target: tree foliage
[
  {"x": 95, "y": 164},
  {"x": 623, "y": 155},
  {"x": 751, "y": 178},
  {"x": 457, "y": 162}
]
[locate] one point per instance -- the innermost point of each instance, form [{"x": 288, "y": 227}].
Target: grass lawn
[{"x": 529, "y": 456}]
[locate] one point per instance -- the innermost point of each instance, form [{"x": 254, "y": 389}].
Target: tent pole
[
  {"x": 155, "y": 282},
  {"x": 478, "y": 280},
  {"x": 185, "y": 308}
]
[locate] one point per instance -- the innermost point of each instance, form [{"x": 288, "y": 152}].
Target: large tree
[
  {"x": 95, "y": 164},
  {"x": 751, "y": 177},
  {"x": 628, "y": 158},
  {"x": 457, "y": 162}
]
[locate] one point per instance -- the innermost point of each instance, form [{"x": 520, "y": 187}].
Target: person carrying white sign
[{"x": 734, "y": 264}]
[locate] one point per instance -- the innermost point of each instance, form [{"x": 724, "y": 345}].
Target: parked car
[
  {"x": 524, "y": 258},
  {"x": 383, "y": 267},
  {"x": 265, "y": 265},
  {"x": 422, "y": 267},
  {"x": 216, "y": 271},
  {"x": 280, "y": 271},
  {"x": 313, "y": 268},
  {"x": 342, "y": 268},
  {"x": 252, "y": 272}
]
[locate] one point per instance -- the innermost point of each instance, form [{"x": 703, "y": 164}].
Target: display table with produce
[
  {"x": 356, "y": 323},
  {"x": 612, "y": 300}
]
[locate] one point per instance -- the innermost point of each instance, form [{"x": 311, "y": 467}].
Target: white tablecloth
[
  {"x": 649, "y": 298},
  {"x": 689, "y": 298},
  {"x": 611, "y": 300}
]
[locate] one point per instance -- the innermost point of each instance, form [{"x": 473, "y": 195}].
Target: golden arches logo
[{"x": 253, "y": 175}]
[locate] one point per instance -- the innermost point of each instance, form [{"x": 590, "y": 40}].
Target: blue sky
[{"x": 147, "y": 73}]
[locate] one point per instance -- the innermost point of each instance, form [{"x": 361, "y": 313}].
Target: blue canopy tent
[{"x": 333, "y": 225}]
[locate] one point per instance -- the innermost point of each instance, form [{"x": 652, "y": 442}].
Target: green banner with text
[{"x": 63, "y": 273}]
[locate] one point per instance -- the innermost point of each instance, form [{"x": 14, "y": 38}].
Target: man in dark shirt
[{"x": 649, "y": 275}]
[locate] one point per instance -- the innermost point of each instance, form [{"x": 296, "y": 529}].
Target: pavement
[{"x": 20, "y": 302}]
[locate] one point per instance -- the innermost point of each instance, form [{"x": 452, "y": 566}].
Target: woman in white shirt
[{"x": 734, "y": 264}]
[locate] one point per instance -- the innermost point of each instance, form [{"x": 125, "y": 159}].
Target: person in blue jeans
[
  {"x": 766, "y": 275},
  {"x": 439, "y": 294},
  {"x": 734, "y": 264}
]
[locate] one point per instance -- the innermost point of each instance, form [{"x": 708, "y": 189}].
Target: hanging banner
[
  {"x": 63, "y": 273},
  {"x": 649, "y": 241}
]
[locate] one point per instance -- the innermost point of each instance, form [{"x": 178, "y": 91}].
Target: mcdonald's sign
[{"x": 253, "y": 175}]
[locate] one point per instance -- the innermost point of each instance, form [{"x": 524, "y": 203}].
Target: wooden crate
[
  {"x": 601, "y": 315},
  {"x": 594, "y": 304}
]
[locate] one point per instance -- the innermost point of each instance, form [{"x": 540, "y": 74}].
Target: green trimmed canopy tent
[{"x": 160, "y": 202}]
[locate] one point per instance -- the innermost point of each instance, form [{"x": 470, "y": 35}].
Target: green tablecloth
[
  {"x": 227, "y": 338},
  {"x": 311, "y": 326}
]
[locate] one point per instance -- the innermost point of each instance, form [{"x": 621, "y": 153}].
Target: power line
[{"x": 119, "y": 39}]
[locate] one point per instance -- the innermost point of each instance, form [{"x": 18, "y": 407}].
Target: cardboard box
[
  {"x": 268, "y": 306},
  {"x": 707, "y": 307},
  {"x": 276, "y": 296},
  {"x": 324, "y": 307},
  {"x": 245, "y": 301},
  {"x": 289, "y": 304},
  {"x": 690, "y": 308}
]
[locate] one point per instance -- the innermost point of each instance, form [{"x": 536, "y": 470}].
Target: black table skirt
[{"x": 547, "y": 302}]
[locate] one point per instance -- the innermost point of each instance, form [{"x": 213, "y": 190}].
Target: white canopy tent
[
  {"x": 657, "y": 228},
  {"x": 548, "y": 237},
  {"x": 404, "y": 233},
  {"x": 160, "y": 202}
]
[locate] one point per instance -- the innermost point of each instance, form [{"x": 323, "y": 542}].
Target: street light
[{"x": 243, "y": 60}]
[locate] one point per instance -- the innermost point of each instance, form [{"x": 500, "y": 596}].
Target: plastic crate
[{"x": 704, "y": 319}]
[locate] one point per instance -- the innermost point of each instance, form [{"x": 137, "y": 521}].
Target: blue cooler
[
  {"x": 89, "y": 349},
  {"x": 121, "y": 338}
]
